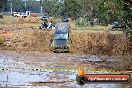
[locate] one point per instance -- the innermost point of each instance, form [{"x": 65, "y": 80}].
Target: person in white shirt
[{"x": 49, "y": 25}]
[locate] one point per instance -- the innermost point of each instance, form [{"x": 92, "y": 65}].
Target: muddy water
[{"x": 20, "y": 74}]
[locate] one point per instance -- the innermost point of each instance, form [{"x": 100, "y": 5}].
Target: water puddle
[
  {"x": 13, "y": 78},
  {"x": 22, "y": 77}
]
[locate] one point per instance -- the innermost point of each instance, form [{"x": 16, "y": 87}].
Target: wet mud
[{"x": 20, "y": 74}]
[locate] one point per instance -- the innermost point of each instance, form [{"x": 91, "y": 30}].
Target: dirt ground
[
  {"x": 25, "y": 51},
  {"x": 23, "y": 34}
]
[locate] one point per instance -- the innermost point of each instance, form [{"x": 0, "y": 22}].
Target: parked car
[
  {"x": 21, "y": 14},
  {"x": 17, "y": 14},
  {"x": 116, "y": 25},
  {"x": 34, "y": 14},
  {"x": 14, "y": 14}
]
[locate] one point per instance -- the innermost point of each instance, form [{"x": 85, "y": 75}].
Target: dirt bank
[
  {"x": 81, "y": 42},
  {"x": 101, "y": 43},
  {"x": 24, "y": 35}
]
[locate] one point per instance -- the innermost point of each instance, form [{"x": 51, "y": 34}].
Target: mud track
[{"x": 21, "y": 76}]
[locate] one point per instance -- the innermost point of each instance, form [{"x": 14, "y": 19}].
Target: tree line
[
  {"x": 21, "y": 5},
  {"x": 106, "y": 10}
]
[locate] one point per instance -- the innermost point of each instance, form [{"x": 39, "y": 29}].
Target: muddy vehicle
[{"x": 60, "y": 40}]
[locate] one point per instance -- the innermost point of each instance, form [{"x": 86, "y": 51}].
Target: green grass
[{"x": 94, "y": 28}]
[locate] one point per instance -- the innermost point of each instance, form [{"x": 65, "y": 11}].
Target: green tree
[
  {"x": 89, "y": 9},
  {"x": 32, "y": 5},
  {"x": 111, "y": 9},
  {"x": 2, "y": 3},
  {"x": 52, "y": 7},
  {"x": 72, "y": 8},
  {"x": 128, "y": 17},
  {"x": 17, "y": 5}
]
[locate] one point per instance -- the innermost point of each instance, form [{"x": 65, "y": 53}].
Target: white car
[{"x": 22, "y": 15}]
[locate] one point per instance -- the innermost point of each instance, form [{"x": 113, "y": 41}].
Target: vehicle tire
[
  {"x": 51, "y": 49},
  {"x": 81, "y": 80},
  {"x": 67, "y": 51}
]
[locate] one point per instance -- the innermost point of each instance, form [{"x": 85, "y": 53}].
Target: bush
[
  {"x": 1, "y": 16},
  {"x": 2, "y": 40},
  {"x": 80, "y": 22}
]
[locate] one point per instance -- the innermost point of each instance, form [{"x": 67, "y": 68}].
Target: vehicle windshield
[
  {"x": 62, "y": 26},
  {"x": 61, "y": 36}
]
